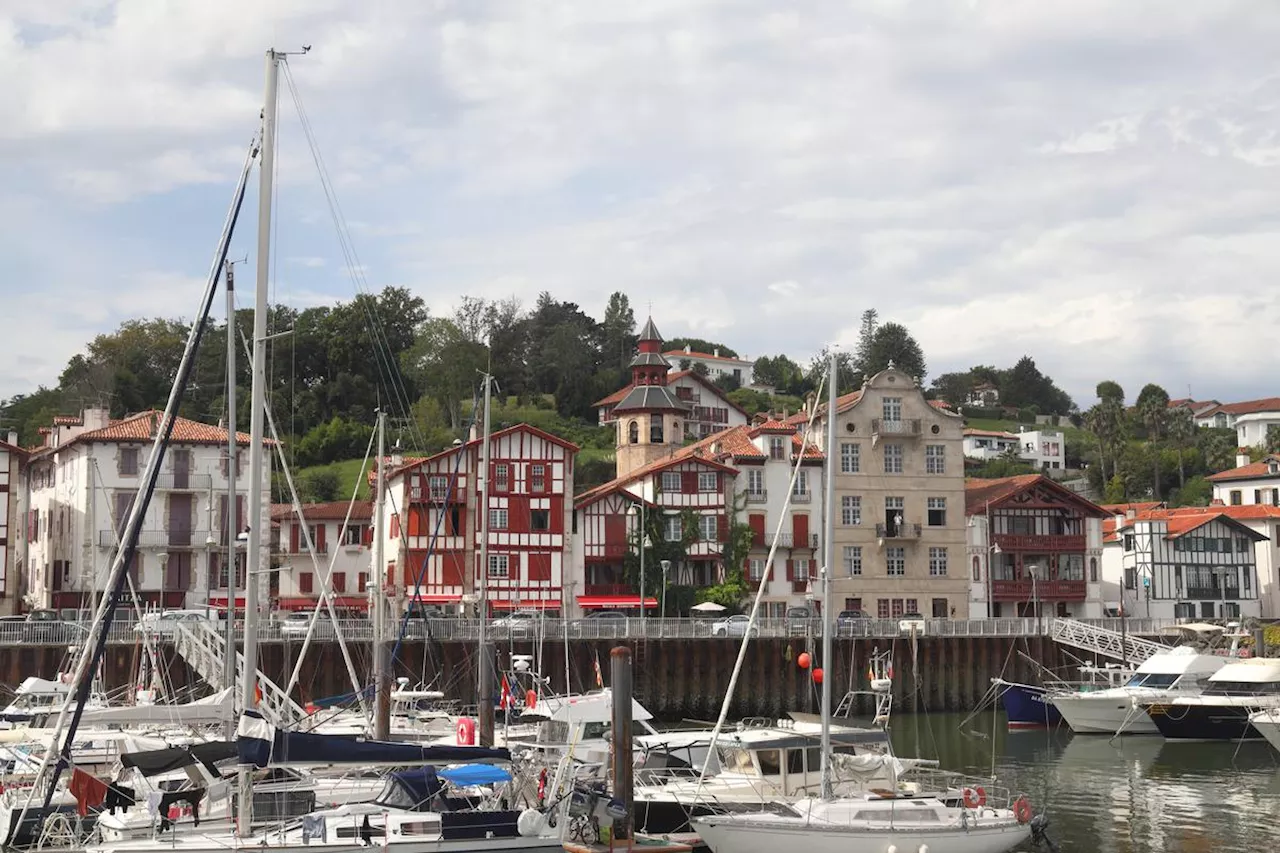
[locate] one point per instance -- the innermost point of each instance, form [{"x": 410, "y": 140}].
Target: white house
[
  {"x": 716, "y": 364},
  {"x": 1249, "y": 482},
  {"x": 984, "y": 395},
  {"x": 1193, "y": 562},
  {"x": 1249, "y": 419},
  {"x": 1044, "y": 448},
  {"x": 12, "y": 459},
  {"x": 709, "y": 410},
  {"x": 81, "y": 485},
  {"x": 343, "y": 553},
  {"x": 986, "y": 444}
]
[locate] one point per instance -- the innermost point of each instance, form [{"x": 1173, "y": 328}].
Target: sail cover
[
  {"x": 153, "y": 762},
  {"x": 260, "y": 743}
]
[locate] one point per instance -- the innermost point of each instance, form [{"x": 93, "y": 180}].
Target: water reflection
[{"x": 1136, "y": 794}]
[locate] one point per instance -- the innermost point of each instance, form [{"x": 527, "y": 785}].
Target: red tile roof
[
  {"x": 1248, "y": 407},
  {"x": 417, "y": 462},
  {"x": 1136, "y": 506},
  {"x": 980, "y": 494},
  {"x": 680, "y": 353},
  {"x": 67, "y": 420},
  {"x": 773, "y": 425},
  {"x": 1183, "y": 520},
  {"x": 331, "y": 511},
  {"x": 142, "y": 427},
  {"x": 1252, "y": 471}
]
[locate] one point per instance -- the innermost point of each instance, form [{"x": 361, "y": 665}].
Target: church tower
[{"x": 650, "y": 419}]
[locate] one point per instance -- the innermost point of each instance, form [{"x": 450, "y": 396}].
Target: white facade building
[
  {"x": 1248, "y": 483},
  {"x": 987, "y": 444},
  {"x": 12, "y": 508},
  {"x": 1251, "y": 427},
  {"x": 717, "y": 365},
  {"x": 81, "y": 484},
  {"x": 343, "y": 554},
  {"x": 1044, "y": 448}
]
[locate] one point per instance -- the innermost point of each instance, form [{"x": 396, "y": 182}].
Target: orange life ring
[
  {"x": 530, "y": 699},
  {"x": 1022, "y": 809},
  {"x": 466, "y": 731},
  {"x": 974, "y": 798}
]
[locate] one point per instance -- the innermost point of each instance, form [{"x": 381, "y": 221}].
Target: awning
[
  {"x": 220, "y": 601},
  {"x": 436, "y": 597},
  {"x": 527, "y": 604},
  {"x": 615, "y": 601},
  {"x": 348, "y": 602}
]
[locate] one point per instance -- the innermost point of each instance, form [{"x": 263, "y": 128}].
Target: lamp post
[
  {"x": 666, "y": 567},
  {"x": 1034, "y": 571},
  {"x": 644, "y": 544}
]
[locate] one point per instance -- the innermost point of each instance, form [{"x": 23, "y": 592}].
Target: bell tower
[{"x": 650, "y": 418}]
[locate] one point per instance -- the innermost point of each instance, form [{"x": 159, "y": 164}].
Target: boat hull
[
  {"x": 1267, "y": 724},
  {"x": 1096, "y": 713},
  {"x": 770, "y": 837},
  {"x": 1203, "y": 722},
  {"x": 1027, "y": 707}
]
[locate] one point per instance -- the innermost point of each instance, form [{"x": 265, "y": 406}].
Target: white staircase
[
  {"x": 201, "y": 646},
  {"x": 1104, "y": 641}
]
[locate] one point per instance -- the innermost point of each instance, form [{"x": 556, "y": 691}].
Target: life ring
[
  {"x": 542, "y": 786},
  {"x": 530, "y": 699},
  {"x": 974, "y": 798},
  {"x": 1022, "y": 809},
  {"x": 466, "y": 731}
]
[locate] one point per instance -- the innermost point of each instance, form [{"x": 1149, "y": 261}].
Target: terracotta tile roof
[
  {"x": 679, "y": 353},
  {"x": 699, "y": 450},
  {"x": 612, "y": 399},
  {"x": 67, "y": 420},
  {"x": 1136, "y": 506},
  {"x": 361, "y": 511},
  {"x": 416, "y": 462},
  {"x": 989, "y": 433},
  {"x": 1248, "y": 407},
  {"x": 142, "y": 428},
  {"x": 979, "y": 494},
  {"x": 1252, "y": 471},
  {"x": 773, "y": 425},
  {"x": 1183, "y": 520}
]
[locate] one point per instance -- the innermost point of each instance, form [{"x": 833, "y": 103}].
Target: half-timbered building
[
  {"x": 12, "y": 458},
  {"x": 433, "y": 537},
  {"x": 1191, "y": 562},
  {"x": 1034, "y": 547}
]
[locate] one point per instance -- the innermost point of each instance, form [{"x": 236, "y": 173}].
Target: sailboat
[{"x": 895, "y": 817}]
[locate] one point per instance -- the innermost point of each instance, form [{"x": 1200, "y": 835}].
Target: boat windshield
[
  {"x": 1153, "y": 680},
  {"x": 1242, "y": 688}
]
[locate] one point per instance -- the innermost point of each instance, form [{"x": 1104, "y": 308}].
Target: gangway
[
  {"x": 1104, "y": 641},
  {"x": 202, "y": 646}
]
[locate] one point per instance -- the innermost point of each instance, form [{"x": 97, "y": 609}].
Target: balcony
[
  {"x": 908, "y": 428},
  {"x": 184, "y": 482},
  {"x": 159, "y": 539},
  {"x": 898, "y": 531},
  {"x": 801, "y": 497},
  {"x": 760, "y": 497},
  {"x": 1028, "y": 590},
  {"x": 1212, "y": 593},
  {"x": 609, "y": 589},
  {"x": 1021, "y": 542}
]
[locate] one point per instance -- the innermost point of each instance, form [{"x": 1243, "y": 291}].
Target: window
[
  {"x": 672, "y": 529},
  {"x": 497, "y": 519},
  {"x": 633, "y": 433},
  {"x": 437, "y": 487},
  {"x": 935, "y": 459},
  {"x": 305, "y": 582},
  {"x": 882, "y": 608},
  {"x": 499, "y": 565},
  {"x": 353, "y": 534},
  {"x": 777, "y": 448},
  {"x": 537, "y": 478},
  {"x": 1130, "y": 579},
  {"x": 1070, "y": 567},
  {"x": 540, "y": 520},
  {"x": 850, "y": 509},
  {"x": 893, "y": 458},
  {"x": 853, "y": 560},
  {"x": 318, "y": 538},
  {"x": 1242, "y": 544},
  {"x": 895, "y": 560},
  {"x": 1128, "y": 544},
  {"x": 671, "y": 481},
  {"x": 940, "y": 608},
  {"x": 802, "y": 484},
  {"x": 339, "y": 581},
  {"x": 362, "y": 581},
  {"x": 977, "y": 569},
  {"x": 655, "y": 429},
  {"x": 755, "y": 569},
  {"x": 502, "y": 476},
  {"x": 707, "y": 528},
  {"x": 1093, "y": 570},
  {"x": 938, "y": 562},
  {"x": 891, "y": 409},
  {"x": 854, "y": 604},
  {"x": 128, "y": 461},
  {"x": 755, "y": 481},
  {"x": 850, "y": 458},
  {"x": 708, "y": 481},
  {"x": 937, "y": 512}
]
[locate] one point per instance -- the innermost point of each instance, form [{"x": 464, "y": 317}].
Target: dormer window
[{"x": 1273, "y": 467}]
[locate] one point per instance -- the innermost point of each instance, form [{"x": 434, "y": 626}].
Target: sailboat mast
[
  {"x": 484, "y": 680},
  {"x": 257, "y": 418},
  {"x": 233, "y": 517},
  {"x": 828, "y": 569},
  {"x": 381, "y": 670}
]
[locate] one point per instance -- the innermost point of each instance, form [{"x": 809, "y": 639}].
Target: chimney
[
  {"x": 13, "y": 438},
  {"x": 1216, "y": 502},
  {"x": 1130, "y": 514},
  {"x": 716, "y": 352},
  {"x": 1242, "y": 457},
  {"x": 474, "y": 433},
  {"x": 95, "y": 418},
  {"x": 688, "y": 348}
]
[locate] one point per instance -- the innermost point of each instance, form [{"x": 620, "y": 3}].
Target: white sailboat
[{"x": 895, "y": 817}]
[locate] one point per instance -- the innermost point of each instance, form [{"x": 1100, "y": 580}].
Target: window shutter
[
  {"x": 395, "y": 525},
  {"x": 689, "y": 482},
  {"x": 294, "y": 543},
  {"x": 320, "y": 538},
  {"x": 366, "y": 536},
  {"x": 722, "y": 527},
  {"x": 791, "y": 570},
  {"x": 757, "y": 529},
  {"x": 222, "y": 516},
  {"x": 240, "y": 514}
]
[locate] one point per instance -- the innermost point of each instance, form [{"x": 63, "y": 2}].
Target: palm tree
[
  {"x": 1106, "y": 421},
  {"x": 1182, "y": 434},
  {"x": 1153, "y": 411}
]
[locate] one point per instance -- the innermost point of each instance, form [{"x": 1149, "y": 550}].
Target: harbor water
[{"x": 1136, "y": 794}]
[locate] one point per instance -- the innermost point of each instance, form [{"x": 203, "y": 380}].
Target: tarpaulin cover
[
  {"x": 158, "y": 761},
  {"x": 475, "y": 774}
]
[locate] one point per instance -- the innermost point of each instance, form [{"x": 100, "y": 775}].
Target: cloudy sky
[{"x": 1092, "y": 183}]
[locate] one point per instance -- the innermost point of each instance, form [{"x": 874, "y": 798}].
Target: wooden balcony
[
  {"x": 1053, "y": 544},
  {"x": 609, "y": 589},
  {"x": 1027, "y": 590}
]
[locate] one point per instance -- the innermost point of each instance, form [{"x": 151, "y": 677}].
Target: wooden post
[{"x": 623, "y": 759}]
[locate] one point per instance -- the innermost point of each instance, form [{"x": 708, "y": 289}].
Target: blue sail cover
[
  {"x": 260, "y": 743},
  {"x": 474, "y": 774}
]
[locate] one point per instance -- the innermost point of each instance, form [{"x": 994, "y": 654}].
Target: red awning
[
  {"x": 528, "y": 604},
  {"x": 437, "y": 598},
  {"x": 619, "y": 601},
  {"x": 346, "y": 602},
  {"x": 220, "y": 602}
]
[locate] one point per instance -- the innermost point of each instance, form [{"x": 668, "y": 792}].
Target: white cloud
[{"x": 1087, "y": 183}]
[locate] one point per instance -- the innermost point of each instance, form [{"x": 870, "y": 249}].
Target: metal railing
[
  {"x": 905, "y": 530},
  {"x": 358, "y": 630},
  {"x": 909, "y": 426},
  {"x": 757, "y": 497},
  {"x": 184, "y": 482},
  {"x": 192, "y": 538}
]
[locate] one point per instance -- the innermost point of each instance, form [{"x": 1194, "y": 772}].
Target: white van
[{"x": 162, "y": 623}]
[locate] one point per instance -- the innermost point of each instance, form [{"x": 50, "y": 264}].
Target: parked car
[
  {"x": 851, "y": 621},
  {"x": 617, "y": 615},
  {"x": 295, "y": 625},
  {"x": 798, "y": 621},
  {"x": 519, "y": 623},
  {"x": 164, "y": 623},
  {"x": 734, "y": 626},
  {"x": 46, "y": 626}
]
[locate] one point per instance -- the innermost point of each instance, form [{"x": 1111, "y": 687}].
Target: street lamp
[
  {"x": 666, "y": 567},
  {"x": 638, "y": 511}
]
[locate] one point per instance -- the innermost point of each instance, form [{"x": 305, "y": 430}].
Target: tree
[
  {"x": 1182, "y": 437},
  {"x": 1273, "y": 438},
  {"x": 782, "y": 374},
  {"x": 448, "y": 363},
  {"x": 1196, "y": 492},
  {"x": 618, "y": 331},
  {"x": 1153, "y": 411},
  {"x": 726, "y": 382},
  {"x": 893, "y": 344},
  {"x": 700, "y": 345},
  {"x": 698, "y": 367},
  {"x": 953, "y": 387},
  {"x": 848, "y": 378},
  {"x": 1109, "y": 391},
  {"x": 866, "y": 335}
]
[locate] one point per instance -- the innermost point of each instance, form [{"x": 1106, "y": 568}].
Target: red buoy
[
  {"x": 817, "y": 675},
  {"x": 803, "y": 660}
]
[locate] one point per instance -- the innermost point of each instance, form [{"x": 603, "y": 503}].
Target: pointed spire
[{"x": 650, "y": 332}]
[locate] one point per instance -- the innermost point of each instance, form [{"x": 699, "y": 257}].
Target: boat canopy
[
  {"x": 260, "y": 743},
  {"x": 410, "y": 790},
  {"x": 157, "y": 761}
]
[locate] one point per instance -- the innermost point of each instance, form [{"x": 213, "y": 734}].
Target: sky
[{"x": 1090, "y": 183}]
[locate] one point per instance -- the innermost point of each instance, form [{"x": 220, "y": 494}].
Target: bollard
[{"x": 622, "y": 744}]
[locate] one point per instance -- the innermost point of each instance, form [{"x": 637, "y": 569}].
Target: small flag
[
  {"x": 871, "y": 673},
  {"x": 599, "y": 677},
  {"x": 505, "y": 701},
  {"x": 257, "y": 694}
]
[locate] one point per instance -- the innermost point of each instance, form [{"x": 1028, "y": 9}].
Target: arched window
[
  {"x": 655, "y": 429},
  {"x": 1093, "y": 570},
  {"x": 977, "y": 568},
  {"x": 633, "y": 432}
]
